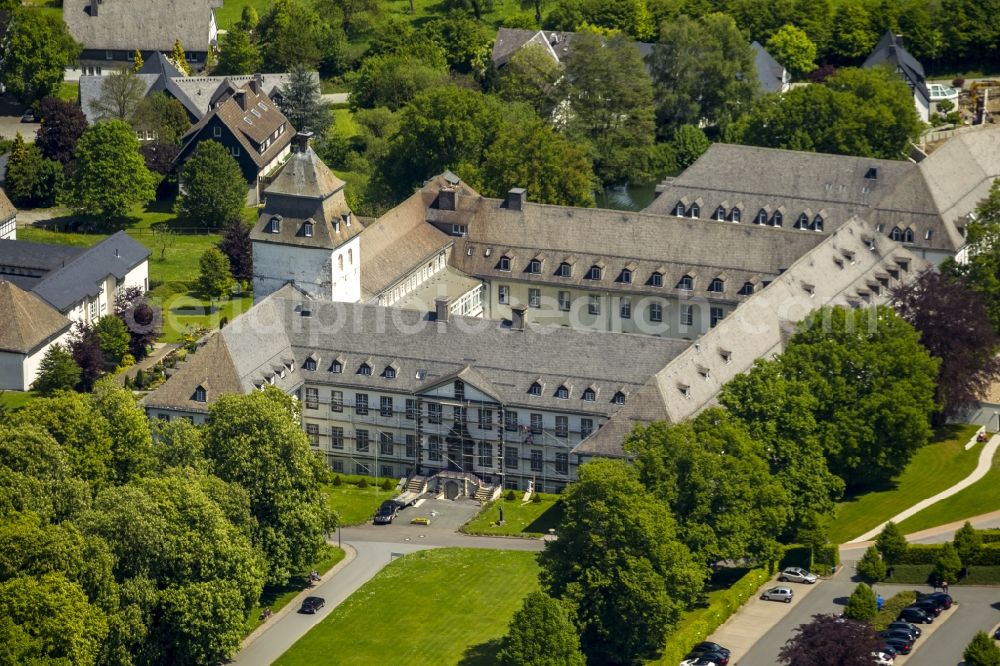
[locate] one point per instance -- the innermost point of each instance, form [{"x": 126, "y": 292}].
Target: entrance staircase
[{"x": 417, "y": 484}]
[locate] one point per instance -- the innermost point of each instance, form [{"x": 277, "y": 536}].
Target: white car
[
  {"x": 881, "y": 659},
  {"x": 796, "y": 575}
]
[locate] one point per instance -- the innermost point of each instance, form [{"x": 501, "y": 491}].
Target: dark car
[
  {"x": 909, "y": 626},
  {"x": 712, "y": 656},
  {"x": 902, "y": 634},
  {"x": 386, "y": 512},
  {"x": 709, "y": 646},
  {"x": 943, "y": 600},
  {"x": 915, "y": 615},
  {"x": 29, "y": 117},
  {"x": 312, "y": 605},
  {"x": 900, "y": 645},
  {"x": 930, "y": 606}
]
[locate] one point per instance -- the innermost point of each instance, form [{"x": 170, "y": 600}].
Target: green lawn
[
  {"x": 937, "y": 466},
  {"x": 356, "y": 505},
  {"x": 981, "y": 497},
  {"x": 15, "y": 399},
  {"x": 69, "y": 91},
  {"x": 520, "y": 519},
  {"x": 277, "y": 597},
  {"x": 231, "y": 11},
  {"x": 443, "y": 606},
  {"x": 343, "y": 123}
]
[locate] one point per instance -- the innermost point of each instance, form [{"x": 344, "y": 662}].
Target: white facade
[
  {"x": 8, "y": 229},
  {"x": 90, "y": 310},
  {"x": 19, "y": 371},
  {"x": 323, "y": 273},
  {"x": 346, "y": 273}
]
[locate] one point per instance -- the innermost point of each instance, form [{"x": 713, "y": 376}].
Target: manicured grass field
[
  {"x": 520, "y": 519},
  {"x": 939, "y": 465},
  {"x": 231, "y": 11},
  {"x": 277, "y": 597},
  {"x": 356, "y": 505},
  {"x": 981, "y": 497},
  {"x": 443, "y": 606}
]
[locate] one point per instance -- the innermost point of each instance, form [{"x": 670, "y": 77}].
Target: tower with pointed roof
[{"x": 306, "y": 234}]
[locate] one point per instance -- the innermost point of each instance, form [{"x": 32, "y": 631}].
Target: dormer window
[
  {"x": 337, "y": 367},
  {"x": 694, "y": 211},
  {"x": 535, "y": 266},
  {"x": 720, "y": 214},
  {"x": 727, "y": 356},
  {"x": 618, "y": 399},
  {"x": 761, "y": 217},
  {"x": 626, "y": 276},
  {"x": 817, "y": 224},
  {"x": 802, "y": 222},
  {"x": 200, "y": 395},
  {"x": 535, "y": 389},
  {"x": 896, "y": 234},
  {"x": 504, "y": 263},
  {"x": 656, "y": 279},
  {"x": 717, "y": 285},
  {"x": 777, "y": 219},
  {"x": 679, "y": 209},
  {"x": 685, "y": 390},
  {"x": 734, "y": 216},
  {"x": 809, "y": 289},
  {"x": 309, "y": 364},
  {"x": 686, "y": 283},
  {"x": 908, "y": 235},
  {"x": 274, "y": 225},
  {"x": 389, "y": 372},
  {"x": 872, "y": 173},
  {"x": 365, "y": 370},
  {"x": 928, "y": 234},
  {"x": 307, "y": 229},
  {"x": 562, "y": 393},
  {"x": 565, "y": 270},
  {"x": 589, "y": 395},
  {"x": 746, "y": 289},
  {"x": 594, "y": 273}
]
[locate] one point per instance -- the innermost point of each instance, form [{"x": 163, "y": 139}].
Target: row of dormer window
[{"x": 775, "y": 219}]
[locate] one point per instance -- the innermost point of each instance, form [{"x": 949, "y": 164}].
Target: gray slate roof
[
  {"x": 126, "y": 25},
  {"x": 26, "y": 321},
  {"x": 891, "y": 52},
  {"x": 770, "y": 72}
]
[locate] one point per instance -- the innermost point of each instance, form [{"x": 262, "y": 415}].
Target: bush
[
  {"x": 982, "y": 651},
  {"x": 387, "y": 484},
  {"x": 947, "y": 565},
  {"x": 989, "y": 536},
  {"x": 363, "y": 483},
  {"x": 825, "y": 559},
  {"x": 988, "y": 555},
  {"x": 890, "y": 610},
  {"x": 921, "y": 554},
  {"x": 861, "y": 605},
  {"x": 796, "y": 556},
  {"x": 510, "y": 496},
  {"x": 337, "y": 480},
  {"x": 536, "y": 499},
  {"x": 871, "y": 567}
]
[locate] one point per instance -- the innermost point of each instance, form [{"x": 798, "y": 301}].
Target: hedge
[
  {"x": 990, "y": 536},
  {"x": 825, "y": 559},
  {"x": 891, "y": 607},
  {"x": 722, "y": 606},
  {"x": 796, "y": 556},
  {"x": 988, "y": 555}
]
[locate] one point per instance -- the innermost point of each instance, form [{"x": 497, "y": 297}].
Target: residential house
[
  {"x": 111, "y": 31},
  {"x": 252, "y": 128},
  {"x": 773, "y": 76},
  {"x": 890, "y": 52},
  {"x": 28, "y": 327}
]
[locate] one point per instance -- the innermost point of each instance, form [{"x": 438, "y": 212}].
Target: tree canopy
[
  {"x": 213, "y": 188},
  {"x": 108, "y": 152},
  {"x": 57, "y": 371},
  {"x": 215, "y": 279},
  {"x": 36, "y": 50},
  {"x": 541, "y": 633},
  {"x": 63, "y": 123},
  {"x": 829, "y": 639},
  {"x": 301, "y": 104}
]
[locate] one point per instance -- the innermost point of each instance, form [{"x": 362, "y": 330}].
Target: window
[
  {"x": 618, "y": 399},
  {"x": 312, "y": 398},
  {"x": 411, "y": 409},
  {"x": 562, "y": 426},
  {"x": 534, "y": 298},
  {"x": 216, "y": 131},
  {"x": 535, "y": 389},
  {"x": 564, "y": 302},
  {"x": 656, "y": 279},
  {"x": 594, "y": 304},
  {"x": 336, "y": 437},
  {"x": 360, "y": 469},
  {"x": 503, "y": 294},
  {"x": 510, "y": 457},
  {"x": 594, "y": 273},
  {"x": 896, "y": 234},
  {"x": 504, "y": 263},
  {"x": 365, "y": 370},
  {"x": 715, "y": 316},
  {"x": 534, "y": 266},
  {"x": 385, "y": 443},
  {"x": 686, "y": 283},
  {"x": 720, "y": 214},
  {"x": 109, "y": 55},
  {"x": 625, "y": 308},
  {"x": 536, "y": 460},
  {"x": 338, "y": 466},
  {"x": 655, "y": 312},
  {"x": 734, "y": 215},
  {"x": 565, "y": 270},
  {"x": 312, "y": 430},
  {"x": 687, "y": 315},
  {"x": 307, "y": 229},
  {"x": 385, "y": 406},
  {"x": 337, "y": 367},
  {"x": 485, "y": 419},
  {"x": 93, "y": 312},
  {"x": 586, "y": 427},
  {"x": 562, "y": 393},
  {"x": 717, "y": 285},
  {"x": 625, "y": 277},
  {"x": 589, "y": 395},
  {"x": 802, "y": 222},
  {"x": 536, "y": 424},
  {"x": 817, "y": 223},
  {"x": 236, "y": 151},
  {"x": 458, "y": 389},
  {"x": 872, "y": 173},
  {"x": 908, "y": 235},
  {"x": 411, "y": 446},
  {"x": 309, "y": 364},
  {"x": 361, "y": 404},
  {"x": 459, "y": 415},
  {"x": 485, "y": 455},
  {"x": 777, "y": 219},
  {"x": 389, "y": 372},
  {"x": 386, "y": 470},
  {"x": 562, "y": 462},
  {"x": 761, "y": 217},
  {"x": 336, "y": 401},
  {"x": 433, "y": 412},
  {"x": 928, "y": 234},
  {"x": 694, "y": 211},
  {"x": 199, "y": 394},
  {"x": 361, "y": 441},
  {"x": 679, "y": 209},
  {"x": 510, "y": 421},
  {"x": 434, "y": 448},
  {"x": 746, "y": 289}
]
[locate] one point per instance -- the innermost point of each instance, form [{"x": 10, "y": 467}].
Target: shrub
[
  {"x": 861, "y": 605},
  {"x": 947, "y": 565},
  {"x": 337, "y": 480},
  {"x": 796, "y": 556},
  {"x": 982, "y": 651},
  {"x": 387, "y": 484},
  {"x": 510, "y": 496},
  {"x": 826, "y": 558},
  {"x": 536, "y": 499},
  {"x": 988, "y": 555},
  {"x": 363, "y": 483},
  {"x": 871, "y": 567},
  {"x": 890, "y": 610},
  {"x": 921, "y": 554},
  {"x": 989, "y": 536}
]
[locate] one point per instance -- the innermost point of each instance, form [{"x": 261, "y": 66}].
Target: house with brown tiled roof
[
  {"x": 28, "y": 327},
  {"x": 252, "y": 128}
]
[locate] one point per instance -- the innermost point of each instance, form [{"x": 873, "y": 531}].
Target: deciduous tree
[
  {"x": 541, "y": 634},
  {"x": 238, "y": 248},
  {"x": 853, "y": 36},
  {"x": 533, "y": 76},
  {"x": 108, "y": 152},
  {"x": 391, "y": 80},
  {"x": 141, "y": 318},
  {"x": 891, "y": 543},
  {"x": 293, "y": 34},
  {"x": 829, "y": 639},
  {"x": 981, "y": 271},
  {"x": 85, "y": 347},
  {"x": 31, "y": 180},
  {"x": 164, "y": 116},
  {"x": 465, "y": 41},
  {"x": 982, "y": 651},
  {"x": 213, "y": 188},
  {"x": 871, "y": 566},
  {"x": 114, "y": 340},
  {"x": 36, "y": 50},
  {"x": 121, "y": 92},
  {"x": 792, "y": 47},
  {"x": 63, "y": 123},
  {"x": 131, "y": 437},
  {"x": 214, "y": 280},
  {"x": 57, "y": 371},
  {"x": 948, "y": 565},
  {"x": 968, "y": 542},
  {"x": 238, "y": 54}
]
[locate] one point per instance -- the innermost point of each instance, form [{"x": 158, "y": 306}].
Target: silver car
[
  {"x": 778, "y": 594},
  {"x": 796, "y": 575}
]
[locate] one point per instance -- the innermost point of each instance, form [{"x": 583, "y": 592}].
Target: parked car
[
  {"x": 930, "y": 606},
  {"x": 913, "y": 629},
  {"x": 915, "y": 615},
  {"x": 778, "y": 594},
  {"x": 712, "y": 656},
  {"x": 312, "y": 605},
  {"x": 699, "y": 661},
  {"x": 386, "y": 512},
  {"x": 709, "y": 646},
  {"x": 796, "y": 575},
  {"x": 882, "y": 658},
  {"x": 903, "y": 634},
  {"x": 943, "y": 600},
  {"x": 29, "y": 117},
  {"x": 900, "y": 645}
]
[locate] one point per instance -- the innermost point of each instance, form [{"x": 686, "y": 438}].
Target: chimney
[
  {"x": 518, "y": 317},
  {"x": 241, "y": 98},
  {"x": 441, "y": 304},
  {"x": 258, "y": 83},
  {"x": 516, "y": 198},
  {"x": 446, "y": 198},
  {"x": 302, "y": 141}
]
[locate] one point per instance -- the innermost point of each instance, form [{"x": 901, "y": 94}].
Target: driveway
[{"x": 10, "y": 120}]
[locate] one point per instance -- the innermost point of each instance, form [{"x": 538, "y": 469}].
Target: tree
[
  {"x": 689, "y": 143},
  {"x": 164, "y": 116},
  {"x": 159, "y": 157},
  {"x": 871, "y": 566},
  {"x": 215, "y": 280},
  {"x": 63, "y": 123},
  {"x": 466, "y": 42},
  {"x": 108, "y": 152},
  {"x": 891, "y": 543},
  {"x": 293, "y": 34},
  {"x": 537, "y": 5},
  {"x": 256, "y": 441},
  {"x": 713, "y": 478},
  {"x": 955, "y": 327},
  {"x": 238, "y": 53},
  {"x": 829, "y": 639},
  {"x": 541, "y": 634},
  {"x": 861, "y": 605},
  {"x": 874, "y": 385},
  {"x": 137, "y": 61},
  {"x": 114, "y": 340},
  {"x": 532, "y": 76},
  {"x": 121, "y": 92},
  {"x": 36, "y": 51},
  {"x": 982, "y": 651},
  {"x": 627, "y": 16},
  {"x": 620, "y": 564},
  {"x": 179, "y": 58},
  {"x": 85, "y": 347},
  {"x": 611, "y": 111},
  {"x": 853, "y": 37},
  {"x": 131, "y": 438},
  {"x": 213, "y": 188},
  {"x": 31, "y": 179},
  {"x": 704, "y": 71},
  {"x": 792, "y": 47},
  {"x": 301, "y": 103},
  {"x": 238, "y": 248},
  {"x": 981, "y": 270},
  {"x": 57, "y": 371},
  {"x": 948, "y": 565},
  {"x": 141, "y": 318},
  {"x": 394, "y": 79},
  {"x": 249, "y": 19},
  {"x": 968, "y": 542}
]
